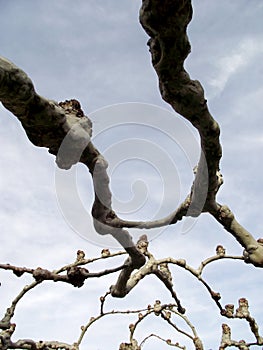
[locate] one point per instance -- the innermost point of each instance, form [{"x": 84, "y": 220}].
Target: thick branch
[
  {"x": 127, "y": 281},
  {"x": 45, "y": 122},
  {"x": 65, "y": 131},
  {"x": 121, "y": 288},
  {"x": 166, "y": 22}
]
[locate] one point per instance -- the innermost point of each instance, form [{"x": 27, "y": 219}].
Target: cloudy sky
[{"x": 96, "y": 52}]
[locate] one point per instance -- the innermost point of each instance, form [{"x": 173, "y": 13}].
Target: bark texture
[
  {"x": 65, "y": 131},
  {"x": 166, "y": 23}
]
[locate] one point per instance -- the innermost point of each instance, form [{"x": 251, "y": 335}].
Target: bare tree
[{"x": 66, "y": 131}]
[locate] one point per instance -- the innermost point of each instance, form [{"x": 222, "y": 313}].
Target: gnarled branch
[
  {"x": 65, "y": 131},
  {"x": 166, "y": 23}
]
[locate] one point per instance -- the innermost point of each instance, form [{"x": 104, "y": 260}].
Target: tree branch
[
  {"x": 75, "y": 275},
  {"x": 242, "y": 312},
  {"x": 65, "y": 131},
  {"x": 253, "y": 252},
  {"x": 166, "y": 23}
]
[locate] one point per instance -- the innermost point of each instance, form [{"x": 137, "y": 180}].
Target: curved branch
[
  {"x": 166, "y": 22},
  {"x": 65, "y": 131},
  {"x": 5, "y": 322},
  {"x": 170, "y": 219},
  {"x": 253, "y": 252}
]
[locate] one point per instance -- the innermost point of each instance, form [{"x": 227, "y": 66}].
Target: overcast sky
[{"x": 96, "y": 52}]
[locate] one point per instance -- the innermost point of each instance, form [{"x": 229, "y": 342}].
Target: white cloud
[
  {"x": 235, "y": 61},
  {"x": 104, "y": 62}
]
